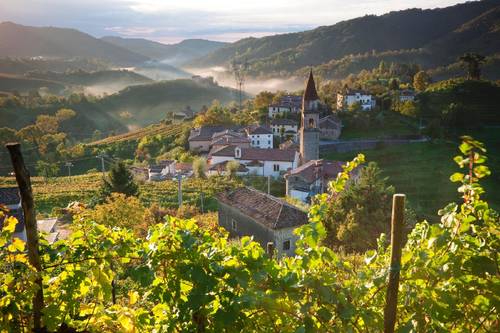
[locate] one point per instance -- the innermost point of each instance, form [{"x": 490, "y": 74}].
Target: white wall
[
  {"x": 302, "y": 196},
  {"x": 263, "y": 141}
]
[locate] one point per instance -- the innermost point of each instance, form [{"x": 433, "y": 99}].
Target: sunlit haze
[{"x": 172, "y": 21}]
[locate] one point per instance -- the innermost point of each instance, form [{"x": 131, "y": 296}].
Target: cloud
[{"x": 174, "y": 20}]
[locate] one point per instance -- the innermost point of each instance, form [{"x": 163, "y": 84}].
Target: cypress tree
[{"x": 119, "y": 180}]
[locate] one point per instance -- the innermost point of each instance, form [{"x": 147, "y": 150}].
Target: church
[{"x": 313, "y": 174}]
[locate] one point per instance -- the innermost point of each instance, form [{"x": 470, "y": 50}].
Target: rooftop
[
  {"x": 265, "y": 209},
  {"x": 284, "y": 122},
  {"x": 310, "y": 94},
  {"x": 9, "y": 196},
  {"x": 272, "y": 154},
  {"x": 258, "y": 130},
  {"x": 315, "y": 169}
]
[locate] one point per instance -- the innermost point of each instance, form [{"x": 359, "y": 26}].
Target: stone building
[
  {"x": 248, "y": 212},
  {"x": 330, "y": 127},
  {"x": 309, "y": 130}
]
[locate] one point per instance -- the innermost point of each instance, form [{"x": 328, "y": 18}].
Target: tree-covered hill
[
  {"x": 176, "y": 54},
  {"x": 443, "y": 34},
  {"x": 152, "y": 102},
  {"x": 24, "y": 41}
]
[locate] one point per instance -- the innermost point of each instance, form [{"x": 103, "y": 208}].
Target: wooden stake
[
  {"x": 270, "y": 249},
  {"x": 391, "y": 299},
  {"x": 24, "y": 184}
]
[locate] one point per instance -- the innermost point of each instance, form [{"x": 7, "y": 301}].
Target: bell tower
[{"x": 309, "y": 128}]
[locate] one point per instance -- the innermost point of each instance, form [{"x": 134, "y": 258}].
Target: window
[
  {"x": 269, "y": 142},
  {"x": 286, "y": 245},
  {"x": 258, "y": 142},
  {"x": 311, "y": 122},
  {"x": 276, "y": 167},
  {"x": 233, "y": 225}
]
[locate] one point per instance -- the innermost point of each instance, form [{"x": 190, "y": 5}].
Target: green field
[{"x": 422, "y": 171}]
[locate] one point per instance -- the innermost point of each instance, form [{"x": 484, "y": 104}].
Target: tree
[
  {"x": 382, "y": 67},
  {"x": 120, "y": 180},
  {"x": 263, "y": 99},
  {"x": 46, "y": 169},
  {"x": 65, "y": 114},
  {"x": 420, "y": 81},
  {"x": 47, "y": 124},
  {"x": 200, "y": 167},
  {"x": 358, "y": 215},
  {"x": 393, "y": 84},
  {"x": 472, "y": 63},
  {"x": 215, "y": 115},
  {"x": 232, "y": 168}
]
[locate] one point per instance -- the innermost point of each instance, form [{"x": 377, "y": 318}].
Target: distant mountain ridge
[
  {"x": 443, "y": 32},
  {"x": 173, "y": 54},
  {"x": 23, "y": 41}
]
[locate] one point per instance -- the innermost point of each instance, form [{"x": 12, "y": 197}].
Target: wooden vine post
[
  {"x": 24, "y": 184},
  {"x": 391, "y": 299}
]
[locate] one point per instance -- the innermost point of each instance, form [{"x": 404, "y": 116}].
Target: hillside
[
  {"x": 427, "y": 30},
  {"x": 24, "y": 41},
  {"x": 95, "y": 83},
  {"x": 16, "y": 83},
  {"x": 174, "y": 54},
  {"x": 151, "y": 102}
]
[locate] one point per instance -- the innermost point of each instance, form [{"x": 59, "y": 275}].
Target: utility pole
[
  {"x": 239, "y": 71},
  {"x": 201, "y": 198},
  {"x": 179, "y": 190},
  {"x": 103, "y": 168},
  {"x": 268, "y": 184},
  {"x": 69, "y": 165}
]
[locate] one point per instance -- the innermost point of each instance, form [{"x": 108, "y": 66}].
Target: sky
[{"x": 170, "y": 21}]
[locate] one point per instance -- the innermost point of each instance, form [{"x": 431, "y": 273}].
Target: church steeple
[
  {"x": 309, "y": 129},
  {"x": 310, "y": 94}
]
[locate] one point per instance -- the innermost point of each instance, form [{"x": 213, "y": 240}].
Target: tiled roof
[
  {"x": 285, "y": 155},
  {"x": 265, "y": 209},
  {"x": 259, "y": 130},
  {"x": 330, "y": 122},
  {"x": 315, "y": 169},
  {"x": 284, "y": 122},
  {"x": 9, "y": 196},
  {"x": 310, "y": 94},
  {"x": 205, "y": 133},
  {"x": 223, "y": 165},
  {"x": 230, "y": 140},
  {"x": 179, "y": 166}
]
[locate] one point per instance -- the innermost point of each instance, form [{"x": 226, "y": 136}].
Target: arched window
[{"x": 311, "y": 123}]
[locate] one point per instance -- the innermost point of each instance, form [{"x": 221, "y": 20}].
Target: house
[
  {"x": 162, "y": 170},
  {"x": 260, "y": 137},
  {"x": 248, "y": 212},
  {"x": 330, "y": 127},
  {"x": 406, "y": 95},
  {"x": 201, "y": 138},
  {"x": 11, "y": 200},
  {"x": 287, "y": 104},
  {"x": 286, "y": 128},
  {"x": 350, "y": 96},
  {"x": 229, "y": 137},
  {"x": 278, "y": 109},
  {"x": 220, "y": 169},
  {"x": 294, "y": 102},
  {"x": 183, "y": 169},
  {"x": 180, "y": 116},
  {"x": 311, "y": 178},
  {"x": 263, "y": 162},
  {"x": 290, "y": 144}
]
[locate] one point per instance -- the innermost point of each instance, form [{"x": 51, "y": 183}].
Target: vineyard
[
  {"x": 157, "y": 129},
  {"x": 59, "y": 192},
  {"x": 185, "y": 278}
]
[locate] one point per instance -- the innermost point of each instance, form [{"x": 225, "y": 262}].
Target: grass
[
  {"x": 391, "y": 124},
  {"x": 422, "y": 171}
]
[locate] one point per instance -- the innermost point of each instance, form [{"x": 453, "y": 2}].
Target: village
[{"x": 286, "y": 147}]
